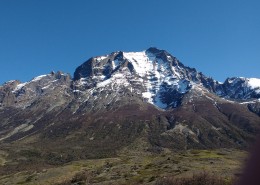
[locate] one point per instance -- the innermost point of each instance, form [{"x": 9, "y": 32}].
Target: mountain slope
[{"x": 147, "y": 99}]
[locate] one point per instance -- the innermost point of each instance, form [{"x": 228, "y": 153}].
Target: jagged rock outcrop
[
  {"x": 254, "y": 107},
  {"x": 17, "y": 94}
]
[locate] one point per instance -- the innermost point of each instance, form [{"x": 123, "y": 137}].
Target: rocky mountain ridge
[{"x": 154, "y": 76}]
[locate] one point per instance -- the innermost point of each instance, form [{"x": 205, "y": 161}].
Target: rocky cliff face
[{"x": 124, "y": 98}]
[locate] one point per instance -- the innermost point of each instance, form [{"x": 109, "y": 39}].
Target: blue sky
[{"x": 220, "y": 38}]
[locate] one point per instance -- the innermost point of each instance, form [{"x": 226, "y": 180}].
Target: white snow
[
  {"x": 254, "y": 83},
  {"x": 99, "y": 58},
  {"x": 101, "y": 77},
  {"x": 141, "y": 62},
  {"x": 243, "y": 103},
  {"x": 38, "y": 78},
  {"x": 230, "y": 81},
  {"x": 228, "y": 100},
  {"x": 104, "y": 83},
  {"x": 19, "y": 87},
  {"x": 82, "y": 81},
  {"x": 117, "y": 79},
  {"x": 46, "y": 87},
  {"x": 115, "y": 63},
  {"x": 147, "y": 95},
  {"x": 10, "y": 81}
]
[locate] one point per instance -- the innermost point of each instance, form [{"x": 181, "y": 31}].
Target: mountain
[
  {"x": 148, "y": 99},
  {"x": 241, "y": 88}
]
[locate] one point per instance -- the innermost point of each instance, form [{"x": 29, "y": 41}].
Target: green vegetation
[
  {"x": 139, "y": 168},
  {"x": 3, "y": 156},
  {"x": 2, "y": 161},
  {"x": 198, "y": 179}
]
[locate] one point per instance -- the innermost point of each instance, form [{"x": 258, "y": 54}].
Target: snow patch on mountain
[
  {"x": 142, "y": 63},
  {"x": 155, "y": 74},
  {"x": 19, "y": 87},
  {"x": 38, "y": 78},
  {"x": 118, "y": 79},
  {"x": 254, "y": 83}
]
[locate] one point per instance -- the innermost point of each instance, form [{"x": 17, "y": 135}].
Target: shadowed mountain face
[{"x": 146, "y": 98}]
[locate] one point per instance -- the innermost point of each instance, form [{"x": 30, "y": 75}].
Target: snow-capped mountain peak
[
  {"x": 153, "y": 74},
  {"x": 241, "y": 88}
]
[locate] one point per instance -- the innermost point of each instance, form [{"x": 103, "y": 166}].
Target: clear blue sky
[{"x": 220, "y": 38}]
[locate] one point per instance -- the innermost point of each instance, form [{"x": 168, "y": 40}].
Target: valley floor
[{"x": 135, "y": 168}]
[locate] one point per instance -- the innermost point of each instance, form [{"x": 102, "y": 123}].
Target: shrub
[{"x": 200, "y": 179}]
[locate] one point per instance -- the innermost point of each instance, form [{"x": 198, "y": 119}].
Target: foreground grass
[
  {"x": 3, "y": 155},
  {"x": 140, "y": 168},
  {"x": 199, "y": 179}
]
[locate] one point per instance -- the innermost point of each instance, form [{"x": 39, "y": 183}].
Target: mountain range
[{"x": 147, "y": 99}]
